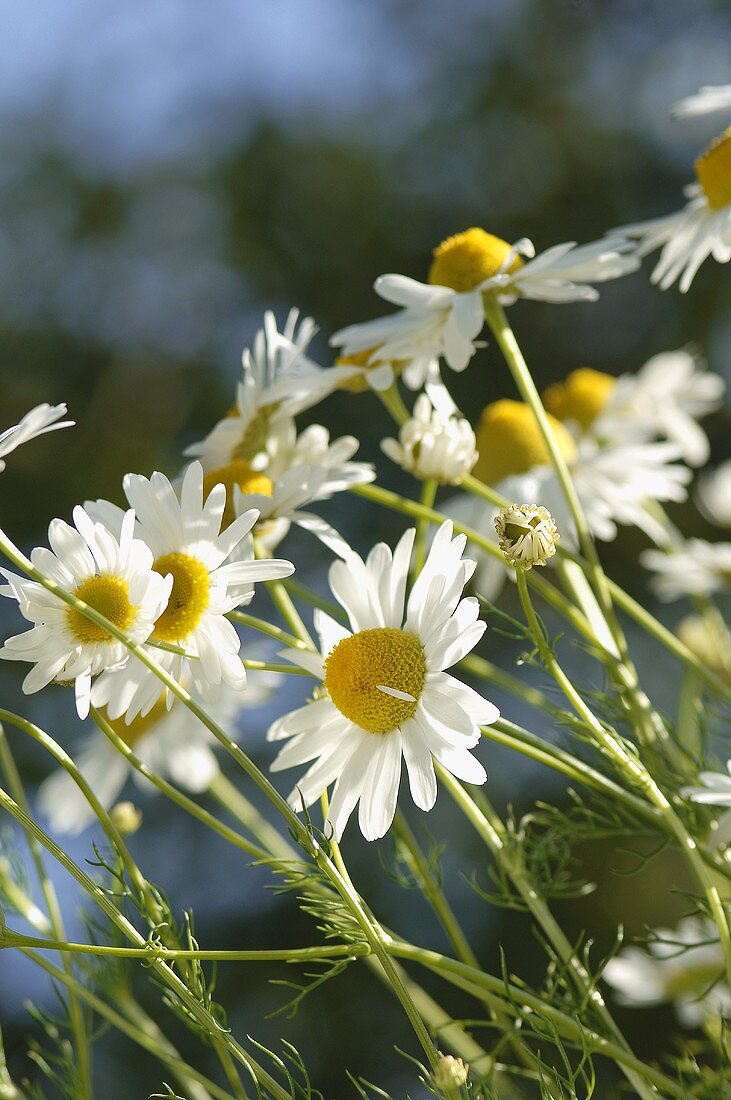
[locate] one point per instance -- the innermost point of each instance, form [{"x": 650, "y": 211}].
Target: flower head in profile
[
  {"x": 279, "y": 380},
  {"x": 43, "y": 418},
  {"x": 713, "y": 495},
  {"x": 113, "y": 574},
  {"x": 697, "y": 568},
  {"x": 527, "y": 534},
  {"x": 433, "y": 444},
  {"x": 705, "y": 101},
  {"x": 682, "y": 965},
  {"x": 701, "y": 229},
  {"x": 386, "y": 694},
  {"x": 187, "y": 543},
  {"x": 444, "y": 317}
]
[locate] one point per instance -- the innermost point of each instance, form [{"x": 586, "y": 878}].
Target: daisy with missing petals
[
  {"x": 683, "y": 965},
  {"x": 188, "y": 545},
  {"x": 706, "y": 101},
  {"x": 111, "y": 573},
  {"x": 666, "y": 398},
  {"x": 173, "y": 743},
  {"x": 279, "y": 381},
  {"x": 697, "y": 568},
  {"x": 433, "y": 444},
  {"x": 385, "y": 692},
  {"x": 43, "y": 418},
  {"x": 444, "y": 317},
  {"x": 713, "y": 495},
  {"x": 701, "y": 229}
]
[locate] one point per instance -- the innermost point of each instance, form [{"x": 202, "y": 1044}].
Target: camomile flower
[
  {"x": 385, "y": 692},
  {"x": 433, "y": 444},
  {"x": 43, "y": 418},
  {"x": 302, "y": 470},
  {"x": 697, "y": 568},
  {"x": 173, "y": 743},
  {"x": 187, "y": 543},
  {"x": 444, "y": 317},
  {"x": 713, "y": 495},
  {"x": 279, "y": 381},
  {"x": 370, "y": 371},
  {"x": 683, "y": 965},
  {"x": 111, "y": 573},
  {"x": 705, "y": 101},
  {"x": 701, "y": 229},
  {"x": 666, "y": 398}
]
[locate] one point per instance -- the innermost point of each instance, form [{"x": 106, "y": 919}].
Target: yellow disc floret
[
  {"x": 358, "y": 383},
  {"x": 237, "y": 473},
  {"x": 713, "y": 171},
  {"x": 465, "y": 260},
  {"x": 509, "y": 441},
  {"x": 357, "y": 666},
  {"x": 256, "y": 433},
  {"x": 188, "y": 600},
  {"x": 140, "y": 725},
  {"x": 581, "y": 397},
  {"x": 109, "y": 595}
]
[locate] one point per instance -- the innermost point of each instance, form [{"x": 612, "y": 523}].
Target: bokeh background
[{"x": 169, "y": 171}]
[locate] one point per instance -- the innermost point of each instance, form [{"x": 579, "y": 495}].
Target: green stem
[
  {"x": 284, "y": 605},
  {"x": 266, "y": 628},
  {"x": 392, "y": 400},
  {"x": 428, "y": 496}
]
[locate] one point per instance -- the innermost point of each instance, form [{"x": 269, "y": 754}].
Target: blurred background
[{"x": 168, "y": 172}]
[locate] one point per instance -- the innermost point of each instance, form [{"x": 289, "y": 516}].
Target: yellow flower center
[
  {"x": 140, "y": 725},
  {"x": 509, "y": 441},
  {"x": 255, "y": 436},
  {"x": 109, "y": 596},
  {"x": 188, "y": 600},
  {"x": 238, "y": 473},
  {"x": 581, "y": 397},
  {"x": 358, "y": 383},
  {"x": 465, "y": 260},
  {"x": 357, "y": 665},
  {"x": 713, "y": 171}
]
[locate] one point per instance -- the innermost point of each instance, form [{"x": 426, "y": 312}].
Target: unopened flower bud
[
  {"x": 434, "y": 444},
  {"x": 450, "y": 1073},
  {"x": 527, "y": 534},
  {"x": 126, "y": 818}
]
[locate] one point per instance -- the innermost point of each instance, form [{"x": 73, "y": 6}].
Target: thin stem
[
  {"x": 392, "y": 400},
  {"x": 267, "y": 628},
  {"x": 284, "y": 605},
  {"x": 428, "y": 496}
]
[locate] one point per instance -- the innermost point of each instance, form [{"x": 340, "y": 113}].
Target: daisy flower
[
  {"x": 41, "y": 419},
  {"x": 666, "y": 398},
  {"x": 173, "y": 743},
  {"x": 188, "y": 545},
  {"x": 111, "y": 573},
  {"x": 705, "y": 101},
  {"x": 302, "y": 469},
  {"x": 713, "y": 495},
  {"x": 279, "y": 381},
  {"x": 433, "y": 444},
  {"x": 701, "y": 229},
  {"x": 385, "y": 692},
  {"x": 697, "y": 568},
  {"x": 444, "y": 317}
]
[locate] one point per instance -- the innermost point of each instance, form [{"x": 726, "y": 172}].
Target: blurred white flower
[
  {"x": 709, "y": 638},
  {"x": 714, "y": 789},
  {"x": 385, "y": 692},
  {"x": 433, "y": 444},
  {"x": 697, "y": 568},
  {"x": 713, "y": 495},
  {"x": 683, "y": 965},
  {"x": 705, "y": 101},
  {"x": 41, "y": 419}
]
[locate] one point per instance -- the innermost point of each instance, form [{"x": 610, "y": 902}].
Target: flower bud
[
  {"x": 126, "y": 818},
  {"x": 450, "y": 1073},
  {"x": 434, "y": 444},
  {"x": 527, "y": 534}
]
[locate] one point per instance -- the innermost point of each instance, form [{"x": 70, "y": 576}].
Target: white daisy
[
  {"x": 444, "y": 317},
  {"x": 114, "y": 575},
  {"x": 173, "y": 743},
  {"x": 302, "y": 469},
  {"x": 664, "y": 399},
  {"x": 279, "y": 381},
  {"x": 433, "y": 444},
  {"x": 713, "y": 495},
  {"x": 705, "y": 101},
  {"x": 385, "y": 693},
  {"x": 41, "y": 419},
  {"x": 185, "y": 537},
  {"x": 697, "y": 568},
  {"x": 683, "y": 965},
  {"x": 701, "y": 229}
]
